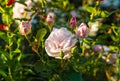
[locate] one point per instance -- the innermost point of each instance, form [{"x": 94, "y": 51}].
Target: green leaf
[
  {"x": 3, "y": 73},
  {"x": 4, "y": 54},
  {"x": 61, "y": 54},
  {"x": 73, "y": 50},
  {"x": 3, "y": 36},
  {"x": 41, "y": 34},
  {"x": 104, "y": 14},
  {"x": 90, "y": 9},
  {"x": 2, "y": 10},
  {"x": 17, "y": 51},
  {"x": 75, "y": 77},
  {"x": 29, "y": 71}
]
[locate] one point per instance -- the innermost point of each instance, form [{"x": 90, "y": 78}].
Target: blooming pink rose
[
  {"x": 50, "y": 18},
  {"x": 25, "y": 28},
  {"x": 97, "y": 48},
  {"x": 19, "y": 10},
  {"x": 82, "y": 30},
  {"x": 60, "y": 40},
  {"x": 73, "y": 22}
]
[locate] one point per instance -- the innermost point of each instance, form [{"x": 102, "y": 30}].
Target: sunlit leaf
[
  {"x": 3, "y": 73},
  {"x": 41, "y": 34}
]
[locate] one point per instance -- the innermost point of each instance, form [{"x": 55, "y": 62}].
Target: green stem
[
  {"x": 82, "y": 46},
  {"x": 33, "y": 48},
  {"x": 62, "y": 64},
  {"x": 10, "y": 74}
]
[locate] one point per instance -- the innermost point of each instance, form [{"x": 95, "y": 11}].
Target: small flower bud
[
  {"x": 73, "y": 22},
  {"x": 82, "y": 30},
  {"x": 3, "y": 27},
  {"x": 50, "y": 18},
  {"x": 10, "y": 2},
  {"x": 97, "y": 48},
  {"x": 24, "y": 28},
  {"x": 112, "y": 59}
]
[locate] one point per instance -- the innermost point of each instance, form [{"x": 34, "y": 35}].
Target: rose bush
[{"x": 32, "y": 32}]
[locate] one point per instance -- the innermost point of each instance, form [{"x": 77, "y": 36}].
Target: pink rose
[
  {"x": 73, "y": 22},
  {"x": 25, "y": 28},
  {"x": 50, "y": 18},
  {"x": 19, "y": 9},
  {"x": 60, "y": 40},
  {"x": 97, "y": 48},
  {"x": 82, "y": 30}
]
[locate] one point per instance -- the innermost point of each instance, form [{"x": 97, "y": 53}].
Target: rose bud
[
  {"x": 82, "y": 30},
  {"x": 3, "y": 27},
  {"x": 112, "y": 59},
  {"x": 60, "y": 40},
  {"x": 10, "y": 2},
  {"x": 25, "y": 28},
  {"x": 50, "y": 18},
  {"x": 73, "y": 22},
  {"x": 97, "y": 48}
]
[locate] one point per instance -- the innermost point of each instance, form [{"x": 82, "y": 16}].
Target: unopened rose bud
[
  {"x": 97, "y": 48},
  {"x": 73, "y": 22},
  {"x": 82, "y": 30},
  {"x": 25, "y": 28},
  {"x": 10, "y": 2},
  {"x": 3, "y": 27},
  {"x": 50, "y": 18},
  {"x": 112, "y": 59}
]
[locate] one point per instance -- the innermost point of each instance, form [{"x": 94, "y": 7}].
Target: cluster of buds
[{"x": 82, "y": 31}]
